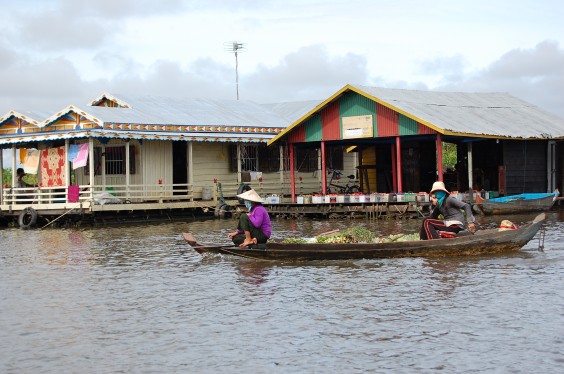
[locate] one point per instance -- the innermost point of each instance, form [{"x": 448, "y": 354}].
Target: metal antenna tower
[{"x": 235, "y": 48}]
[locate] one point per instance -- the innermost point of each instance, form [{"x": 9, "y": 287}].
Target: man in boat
[
  {"x": 254, "y": 227},
  {"x": 451, "y": 209}
]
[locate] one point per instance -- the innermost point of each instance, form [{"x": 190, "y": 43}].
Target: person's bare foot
[{"x": 247, "y": 243}]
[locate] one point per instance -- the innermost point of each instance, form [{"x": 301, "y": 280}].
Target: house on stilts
[
  {"x": 145, "y": 154},
  {"x": 157, "y": 156},
  {"x": 504, "y": 145}
]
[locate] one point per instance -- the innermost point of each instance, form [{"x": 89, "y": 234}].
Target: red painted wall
[
  {"x": 330, "y": 122},
  {"x": 387, "y": 121}
]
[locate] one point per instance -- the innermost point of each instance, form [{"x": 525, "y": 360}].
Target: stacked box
[
  {"x": 423, "y": 197},
  {"x": 317, "y": 199},
  {"x": 330, "y": 199},
  {"x": 273, "y": 199}
]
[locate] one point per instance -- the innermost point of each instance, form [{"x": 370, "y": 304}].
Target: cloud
[
  {"x": 46, "y": 85},
  {"x": 535, "y": 75},
  {"x": 450, "y": 68},
  {"x": 310, "y": 73}
]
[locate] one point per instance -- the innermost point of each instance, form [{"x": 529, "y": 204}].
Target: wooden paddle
[{"x": 194, "y": 244}]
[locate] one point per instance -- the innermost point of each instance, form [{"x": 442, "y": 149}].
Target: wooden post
[
  {"x": 394, "y": 169},
  {"x": 67, "y": 170},
  {"x": 239, "y": 163},
  {"x": 470, "y": 168},
  {"x": 281, "y": 167},
  {"x": 323, "y": 170},
  {"x": 398, "y": 163},
  {"x": 2, "y": 176},
  {"x": 14, "y": 175},
  {"x": 439, "y": 157},
  {"x": 91, "y": 166},
  {"x": 292, "y": 174}
]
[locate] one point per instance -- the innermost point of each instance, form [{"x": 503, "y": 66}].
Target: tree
[{"x": 7, "y": 177}]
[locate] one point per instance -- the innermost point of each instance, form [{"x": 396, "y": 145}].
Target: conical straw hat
[{"x": 251, "y": 195}]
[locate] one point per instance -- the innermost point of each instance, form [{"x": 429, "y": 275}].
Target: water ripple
[{"x": 135, "y": 299}]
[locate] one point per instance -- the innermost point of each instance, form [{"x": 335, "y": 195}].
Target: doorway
[{"x": 179, "y": 167}]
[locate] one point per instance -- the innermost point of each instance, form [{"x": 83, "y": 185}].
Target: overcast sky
[{"x": 54, "y": 53}]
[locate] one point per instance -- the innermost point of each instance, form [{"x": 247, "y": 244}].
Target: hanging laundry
[
  {"x": 82, "y": 157},
  {"x": 73, "y": 152},
  {"x": 31, "y": 163},
  {"x": 73, "y": 194},
  {"x": 53, "y": 167},
  {"x": 23, "y": 155}
]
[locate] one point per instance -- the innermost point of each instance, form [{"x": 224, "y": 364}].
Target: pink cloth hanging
[
  {"x": 73, "y": 194},
  {"x": 82, "y": 157}
]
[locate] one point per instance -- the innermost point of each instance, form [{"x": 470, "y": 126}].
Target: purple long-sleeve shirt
[{"x": 260, "y": 219}]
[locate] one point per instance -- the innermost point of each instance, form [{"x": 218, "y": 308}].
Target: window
[
  {"x": 269, "y": 159},
  {"x": 115, "y": 160},
  {"x": 334, "y": 158},
  {"x": 256, "y": 157},
  {"x": 306, "y": 159}
]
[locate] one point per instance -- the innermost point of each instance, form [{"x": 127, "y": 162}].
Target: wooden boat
[
  {"x": 482, "y": 242},
  {"x": 514, "y": 204}
]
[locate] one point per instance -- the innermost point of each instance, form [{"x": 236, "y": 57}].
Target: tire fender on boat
[
  {"x": 218, "y": 209},
  {"x": 27, "y": 218}
]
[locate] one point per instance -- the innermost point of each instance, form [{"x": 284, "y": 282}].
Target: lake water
[{"x": 136, "y": 299}]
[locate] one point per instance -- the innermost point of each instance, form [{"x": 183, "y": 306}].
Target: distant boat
[{"x": 514, "y": 204}]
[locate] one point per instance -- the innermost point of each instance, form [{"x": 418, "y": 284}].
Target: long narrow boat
[
  {"x": 489, "y": 241},
  {"x": 522, "y": 203}
]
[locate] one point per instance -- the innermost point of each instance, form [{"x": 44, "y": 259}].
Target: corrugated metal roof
[
  {"x": 457, "y": 113},
  {"x": 174, "y": 111},
  {"x": 149, "y": 135},
  {"x": 292, "y": 111},
  {"x": 488, "y": 114}
]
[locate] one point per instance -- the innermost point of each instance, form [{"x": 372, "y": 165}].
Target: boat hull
[
  {"x": 482, "y": 243},
  {"x": 517, "y": 204}
]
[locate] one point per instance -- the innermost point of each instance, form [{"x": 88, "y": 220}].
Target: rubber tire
[
  {"x": 224, "y": 211},
  {"x": 217, "y": 209},
  {"x": 27, "y": 218},
  {"x": 243, "y": 188}
]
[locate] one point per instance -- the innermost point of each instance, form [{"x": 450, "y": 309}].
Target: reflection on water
[{"x": 136, "y": 299}]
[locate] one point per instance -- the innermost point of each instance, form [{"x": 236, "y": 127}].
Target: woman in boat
[
  {"x": 451, "y": 209},
  {"x": 254, "y": 227}
]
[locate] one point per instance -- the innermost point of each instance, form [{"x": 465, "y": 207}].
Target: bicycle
[{"x": 349, "y": 188}]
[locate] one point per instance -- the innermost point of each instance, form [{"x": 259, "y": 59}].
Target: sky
[{"x": 54, "y": 53}]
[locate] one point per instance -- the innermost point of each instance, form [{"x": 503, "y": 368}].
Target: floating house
[
  {"x": 141, "y": 153},
  {"x": 129, "y": 153},
  {"x": 503, "y": 144}
]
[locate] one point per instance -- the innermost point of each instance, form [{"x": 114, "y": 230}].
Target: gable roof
[
  {"x": 458, "y": 113},
  {"x": 464, "y": 113},
  {"x": 159, "y": 117}
]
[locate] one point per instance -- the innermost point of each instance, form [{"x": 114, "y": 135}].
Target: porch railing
[{"x": 99, "y": 194}]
